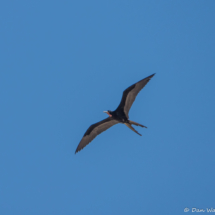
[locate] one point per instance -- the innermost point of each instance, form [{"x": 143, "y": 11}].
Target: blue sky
[{"x": 63, "y": 63}]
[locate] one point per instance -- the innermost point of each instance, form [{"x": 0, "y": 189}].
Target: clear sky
[{"x": 62, "y": 63}]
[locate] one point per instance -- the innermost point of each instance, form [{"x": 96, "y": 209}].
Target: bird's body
[{"x": 120, "y": 115}]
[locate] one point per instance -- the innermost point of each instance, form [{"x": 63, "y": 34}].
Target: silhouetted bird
[{"x": 120, "y": 115}]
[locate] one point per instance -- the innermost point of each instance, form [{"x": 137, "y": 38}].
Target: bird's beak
[{"x": 107, "y": 113}]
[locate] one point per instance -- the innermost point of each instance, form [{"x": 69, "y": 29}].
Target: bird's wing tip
[{"x": 78, "y": 150}]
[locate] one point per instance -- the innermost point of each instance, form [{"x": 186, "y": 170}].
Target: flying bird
[{"x": 120, "y": 115}]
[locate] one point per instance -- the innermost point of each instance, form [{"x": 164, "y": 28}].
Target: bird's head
[{"x": 108, "y": 112}]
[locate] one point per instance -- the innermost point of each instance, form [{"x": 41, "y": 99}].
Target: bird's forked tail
[
  {"x": 129, "y": 125},
  {"x": 137, "y": 124}
]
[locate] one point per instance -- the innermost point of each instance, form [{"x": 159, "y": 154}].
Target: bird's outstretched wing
[
  {"x": 95, "y": 130},
  {"x": 130, "y": 94}
]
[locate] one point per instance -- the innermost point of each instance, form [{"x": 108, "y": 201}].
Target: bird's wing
[
  {"x": 95, "y": 130},
  {"x": 130, "y": 94}
]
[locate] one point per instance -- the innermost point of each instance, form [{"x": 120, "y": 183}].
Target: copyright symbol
[{"x": 186, "y": 209}]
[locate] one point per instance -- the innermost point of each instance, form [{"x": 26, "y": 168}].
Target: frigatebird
[{"x": 120, "y": 115}]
